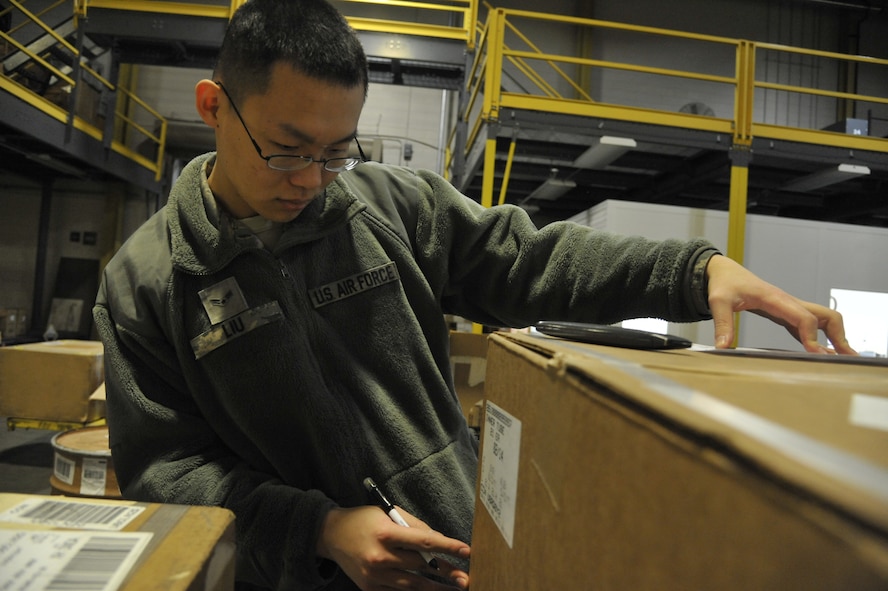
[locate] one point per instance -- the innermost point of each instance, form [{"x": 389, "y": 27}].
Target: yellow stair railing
[
  {"x": 73, "y": 99},
  {"x": 445, "y": 19}
]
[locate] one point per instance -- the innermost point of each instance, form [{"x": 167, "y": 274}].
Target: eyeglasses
[{"x": 287, "y": 162}]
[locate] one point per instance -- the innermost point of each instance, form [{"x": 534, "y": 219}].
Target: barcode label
[
  {"x": 68, "y": 561},
  {"x": 73, "y": 514},
  {"x": 93, "y": 476},
  {"x": 96, "y": 565},
  {"x": 63, "y": 468}
]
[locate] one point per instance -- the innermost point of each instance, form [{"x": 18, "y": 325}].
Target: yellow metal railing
[
  {"x": 817, "y": 136},
  {"x": 55, "y": 100},
  {"x": 547, "y": 81},
  {"x": 445, "y": 19},
  {"x": 221, "y": 9},
  {"x": 510, "y": 71}
]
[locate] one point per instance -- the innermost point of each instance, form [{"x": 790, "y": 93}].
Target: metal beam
[{"x": 26, "y": 119}]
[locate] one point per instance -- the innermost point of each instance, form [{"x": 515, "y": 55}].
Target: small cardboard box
[
  {"x": 606, "y": 468},
  {"x": 140, "y": 545},
  {"x": 50, "y": 381},
  {"x": 468, "y": 361}
]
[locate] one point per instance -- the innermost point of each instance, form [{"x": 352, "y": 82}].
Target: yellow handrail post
[
  {"x": 490, "y": 108},
  {"x": 489, "y": 172},
  {"x": 493, "y": 67},
  {"x": 741, "y": 155},
  {"x": 505, "y": 184}
]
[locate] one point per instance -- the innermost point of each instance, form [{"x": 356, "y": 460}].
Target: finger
[
  {"x": 833, "y": 327},
  {"x": 843, "y": 347},
  {"x": 807, "y": 335},
  {"x": 815, "y": 318},
  {"x": 420, "y": 536},
  {"x": 723, "y": 319},
  {"x": 453, "y": 573},
  {"x": 421, "y": 576}
]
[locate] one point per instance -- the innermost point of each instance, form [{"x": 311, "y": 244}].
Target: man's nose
[{"x": 310, "y": 176}]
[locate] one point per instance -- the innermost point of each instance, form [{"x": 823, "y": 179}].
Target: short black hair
[{"x": 309, "y": 35}]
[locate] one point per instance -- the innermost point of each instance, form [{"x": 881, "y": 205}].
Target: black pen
[{"x": 393, "y": 514}]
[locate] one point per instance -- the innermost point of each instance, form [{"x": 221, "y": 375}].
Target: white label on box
[
  {"x": 869, "y": 411},
  {"x": 93, "y": 477},
  {"x": 35, "y": 560},
  {"x": 56, "y": 512},
  {"x": 63, "y": 468},
  {"x": 499, "y": 467}
]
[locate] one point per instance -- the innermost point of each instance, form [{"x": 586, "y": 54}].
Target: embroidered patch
[
  {"x": 223, "y": 300},
  {"x": 357, "y": 283},
  {"x": 234, "y": 327}
]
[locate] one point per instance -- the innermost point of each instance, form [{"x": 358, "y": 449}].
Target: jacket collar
[{"x": 199, "y": 246}]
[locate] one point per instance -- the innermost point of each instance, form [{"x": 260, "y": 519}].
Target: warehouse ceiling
[{"x": 675, "y": 167}]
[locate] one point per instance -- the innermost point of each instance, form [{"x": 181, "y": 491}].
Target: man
[{"x": 276, "y": 333}]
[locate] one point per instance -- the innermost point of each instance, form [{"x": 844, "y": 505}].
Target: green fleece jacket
[{"x": 273, "y": 383}]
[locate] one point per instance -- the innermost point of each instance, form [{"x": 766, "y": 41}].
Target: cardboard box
[
  {"x": 606, "y": 468},
  {"x": 468, "y": 362},
  {"x": 50, "y": 381},
  {"x": 189, "y": 548}
]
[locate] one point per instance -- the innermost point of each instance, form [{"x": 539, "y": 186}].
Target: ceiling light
[
  {"x": 824, "y": 178},
  {"x": 552, "y": 189},
  {"x": 604, "y": 151}
]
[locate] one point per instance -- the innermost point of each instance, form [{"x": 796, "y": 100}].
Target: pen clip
[{"x": 377, "y": 495}]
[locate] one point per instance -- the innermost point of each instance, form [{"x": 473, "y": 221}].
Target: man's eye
[{"x": 286, "y": 148}]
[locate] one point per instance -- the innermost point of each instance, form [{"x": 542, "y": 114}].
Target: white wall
[
  {"x": 805, "y": 258},
  {"x": 400, "y": 115}
]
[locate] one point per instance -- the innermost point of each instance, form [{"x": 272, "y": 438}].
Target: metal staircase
[{"x": 63, "y": 115}]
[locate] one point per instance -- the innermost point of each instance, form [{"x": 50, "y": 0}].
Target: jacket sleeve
[
  {"x": 492, "y": 265},
  {"x": 165, "y": 451}
]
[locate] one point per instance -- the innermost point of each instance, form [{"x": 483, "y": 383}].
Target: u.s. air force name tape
[
  {"x": 357, "y": 283},
  {"x": 234, "y": 327}
]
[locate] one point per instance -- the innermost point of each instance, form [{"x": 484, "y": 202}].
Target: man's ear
[{"x": 206, "y": 94}]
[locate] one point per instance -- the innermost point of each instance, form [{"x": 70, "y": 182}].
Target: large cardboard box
[
  {"x": 105, "y": 544},
  {"x": 468, "y": 362},
  {"x": 606, "y": 468},
  {"x": 50, "y": 381}
]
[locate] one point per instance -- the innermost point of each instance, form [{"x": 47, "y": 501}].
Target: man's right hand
[{"x": 376, "y": 553}]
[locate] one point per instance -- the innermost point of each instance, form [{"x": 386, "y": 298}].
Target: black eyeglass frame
[{"x": 302, "y": 162}]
